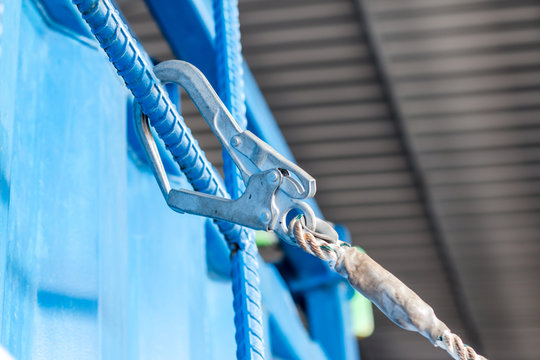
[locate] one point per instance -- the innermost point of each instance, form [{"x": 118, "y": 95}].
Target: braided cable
[
  {"x": 317, "y": 244},
  {"x": 453, "y": 344},
  {"x": 129, "y": 60},
  {"x": 244, "y": 269},
  {"x": 395, "y": 299}
]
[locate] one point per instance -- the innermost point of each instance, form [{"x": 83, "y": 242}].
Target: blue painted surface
[
  {"x": 93, "y": 264},
  {"x": 97, "y": 264},
  {"x": 289, "y": 339},
  {"x": 59, "y": 218}
]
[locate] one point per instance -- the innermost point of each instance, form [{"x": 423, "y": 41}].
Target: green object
[
  {"x": 363, "y": 323},
  {"x": 265, "y": 238}
]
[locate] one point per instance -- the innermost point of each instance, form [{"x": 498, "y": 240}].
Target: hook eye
[{"x": 282, "y": 230}]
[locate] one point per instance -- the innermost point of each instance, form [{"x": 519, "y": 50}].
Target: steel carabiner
[{"x": 274, "y": 185}]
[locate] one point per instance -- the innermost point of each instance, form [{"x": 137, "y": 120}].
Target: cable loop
[
  {"x": 366, "y": 276},
  {"x": 321, "y": 245}
]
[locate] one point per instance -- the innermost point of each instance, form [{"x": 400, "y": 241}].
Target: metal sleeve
[{"x": 399, "y": 303}]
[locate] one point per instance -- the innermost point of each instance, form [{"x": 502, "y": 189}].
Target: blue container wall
[
  {"x": 93, "y": 264},
  {"x": 92, "y": 261}
]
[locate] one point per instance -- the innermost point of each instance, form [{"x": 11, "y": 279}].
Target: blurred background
[{"x": 420, "y": 120}]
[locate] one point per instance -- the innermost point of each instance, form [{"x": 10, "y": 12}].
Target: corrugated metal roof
[
  {"x": 328, "y": 100},
  {"x": 467, "y": 78},
  {"x": 464, "y": 83}
]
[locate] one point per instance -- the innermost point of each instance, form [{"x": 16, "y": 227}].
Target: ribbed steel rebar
[
  {"x": 127, "y": 57},
  {"x": 245, "y": 267}
]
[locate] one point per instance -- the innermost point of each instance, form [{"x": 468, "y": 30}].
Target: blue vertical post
[{"x": 245, "y": 272}]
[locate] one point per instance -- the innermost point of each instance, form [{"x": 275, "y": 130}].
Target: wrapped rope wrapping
[{"x": 399, "y": 303}]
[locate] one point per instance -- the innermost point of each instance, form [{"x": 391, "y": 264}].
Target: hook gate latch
[{"x": 274, "y": 185}]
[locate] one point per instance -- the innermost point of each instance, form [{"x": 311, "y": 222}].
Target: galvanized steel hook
[{"x": 274, "y": 185}]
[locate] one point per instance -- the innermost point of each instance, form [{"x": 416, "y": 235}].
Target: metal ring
[{"x": 305, "y": 209}]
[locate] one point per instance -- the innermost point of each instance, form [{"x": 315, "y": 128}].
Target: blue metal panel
[
  {"x": 9, "y": 45},
  {"x": 63, "y": 208},
  {"x": 66, "y": 16},
  {"x": 168, "y": 283},
  {"x": 287, "y": 335},
  {"x": 97, "y": 265}
]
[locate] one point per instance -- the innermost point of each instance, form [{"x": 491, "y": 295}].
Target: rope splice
[{"x": 398, "y": 302}]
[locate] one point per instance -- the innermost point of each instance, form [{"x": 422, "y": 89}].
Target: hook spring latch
[{"x": 274, "y": 185}]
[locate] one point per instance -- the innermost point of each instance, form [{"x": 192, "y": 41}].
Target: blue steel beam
[
  {"x": 189, "y": 28},
  {"x": 288, "y": 338}
]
